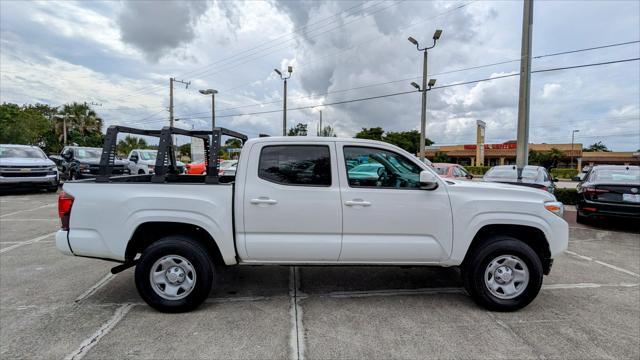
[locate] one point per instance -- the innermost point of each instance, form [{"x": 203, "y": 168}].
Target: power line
[{"x": 436, "y": 74}]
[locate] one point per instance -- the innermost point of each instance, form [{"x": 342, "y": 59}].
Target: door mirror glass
[
  {"x": 134, "y": 158},
  {"x": 68, "y": 155},
  {"x": 428, "y": 180}
]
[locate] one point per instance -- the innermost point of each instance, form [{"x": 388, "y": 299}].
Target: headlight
[
  {"x": 555, "y": 207},
  {"x": 151, "y": 167}
]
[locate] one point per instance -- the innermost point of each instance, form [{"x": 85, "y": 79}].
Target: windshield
[
  {"x": 20, "y": 152},
  {"x": 148, "y": 155},
  {"x": 511, "y": 173},
  {"x": 619, "y": 176},
  {"x": 441, "y": 170},
  {"x": 88, "y": 153}
]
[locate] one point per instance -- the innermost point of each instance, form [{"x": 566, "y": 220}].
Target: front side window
[
  {"x": 380, "y": 169},
  {"x": 296, "y": 165}
]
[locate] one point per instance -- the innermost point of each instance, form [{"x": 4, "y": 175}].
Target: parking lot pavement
[{"x": 54, "y": 306}]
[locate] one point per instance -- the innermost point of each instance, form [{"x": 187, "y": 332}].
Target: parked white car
[
  {"x": 143, "y": 161},
  {"x": 27, "y": 166},
  {"x": 295, "y": 203}
]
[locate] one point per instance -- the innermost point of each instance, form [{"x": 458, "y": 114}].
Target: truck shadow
[{"x": 320, "y": 280}]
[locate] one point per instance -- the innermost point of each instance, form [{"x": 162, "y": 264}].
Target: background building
[{"x": 505, "y": 154}]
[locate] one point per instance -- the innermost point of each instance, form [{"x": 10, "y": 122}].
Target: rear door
[
  {"x": 389, "y": 219},
  {"x": 291, "y": 203}
]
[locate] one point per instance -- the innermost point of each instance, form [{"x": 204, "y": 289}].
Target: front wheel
[
  {"x": 174, "y": 274},
  {"x": 505, "y": 274}
]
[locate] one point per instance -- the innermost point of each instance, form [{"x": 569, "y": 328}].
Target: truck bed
[{"x": 106, "y": 215}]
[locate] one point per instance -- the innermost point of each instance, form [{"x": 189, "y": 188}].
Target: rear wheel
[
  {"x": 174, "y": 274},
  {"x": 504, "y": 274}
]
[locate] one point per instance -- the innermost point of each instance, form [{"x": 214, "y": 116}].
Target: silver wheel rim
[
  {"x": 172, "y": 277},
  {"x": 506, "y": 276}
]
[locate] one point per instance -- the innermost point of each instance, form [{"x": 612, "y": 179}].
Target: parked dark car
[
  {"x": 609, "y": 191},
  {"x": 77, "y": 162},
  {"x": 532, "y": 176}
]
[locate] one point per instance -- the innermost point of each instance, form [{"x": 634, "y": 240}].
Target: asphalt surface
[{"x": 56, "y": 306}]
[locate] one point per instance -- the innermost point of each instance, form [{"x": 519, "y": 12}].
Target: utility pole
[
  {"x": 423, "y": 117},
  {"x": 171, "y": 81},
  {"x": 284, "y": 106},
  {"x": 573, "y": 133},
  {"x": 64, "y": 128},
  {"x": 522, "y": 150}
]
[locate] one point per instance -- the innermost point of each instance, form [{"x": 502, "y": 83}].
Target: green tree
[
  {"x": 327, "y": 131},
  {"x": 441, "y": 157},
  {"x": 599, "y": 146},
  {"x": 374, "y": 133},
  {"x": 129, "y": 143},
  {"x": 408, "y": 140},
  {"x": 83, "y": 124},
  {"x": 298, "y": 130},
  {"x": 22, "y": 125}
]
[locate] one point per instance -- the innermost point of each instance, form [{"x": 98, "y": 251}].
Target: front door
[
  {"x": 292, "y": 206},
  {"x": 387, "y": 218}
]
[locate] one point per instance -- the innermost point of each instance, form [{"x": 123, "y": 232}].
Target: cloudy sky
[{"x": 121, "y": 55}]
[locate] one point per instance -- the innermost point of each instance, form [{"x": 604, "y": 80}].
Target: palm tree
[
  {"x": 129, "y": 143},
  {"x": 81, "y": 118}
]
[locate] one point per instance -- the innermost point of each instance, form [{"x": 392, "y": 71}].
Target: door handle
[
  {"x": 264, "y": 200},
  {"x": 357, "y": 202}
]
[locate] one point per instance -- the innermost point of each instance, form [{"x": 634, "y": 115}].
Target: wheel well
[
  {"x": 149, "y": 232},
  {"x": 529, "y": 235}
]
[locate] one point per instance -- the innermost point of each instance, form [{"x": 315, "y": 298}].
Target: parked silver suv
[{"x": 25, "y": 165}]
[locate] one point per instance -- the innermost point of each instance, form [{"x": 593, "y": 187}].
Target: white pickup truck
[{"x": 295, "y": 201}]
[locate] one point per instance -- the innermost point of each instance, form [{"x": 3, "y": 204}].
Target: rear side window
[{"x": 308, "y": 165}]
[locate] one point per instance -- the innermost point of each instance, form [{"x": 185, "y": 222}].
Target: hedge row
[
  {"x": 477, "y": 170},
  {"x": 566, "y": 196},
  {"x": 564, "y": 173}
]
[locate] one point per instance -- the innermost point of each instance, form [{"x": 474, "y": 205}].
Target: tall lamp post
[
  {"x": 320, "y": 123},
  {"x": 213, "y": 104},
  {"x": 573, "y": 133},
  {"x": 423, "y": 118},
  {"x": 284, "y": 106}
]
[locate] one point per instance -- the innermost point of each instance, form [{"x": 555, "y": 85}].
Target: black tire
[
  {"x": 477, "y": 263},
  {"x": 197, "y": 257},
  {"x": 53, "y": 188},
  {"x": 140, "y": 172},
  {"x": 581, "y": 219}
]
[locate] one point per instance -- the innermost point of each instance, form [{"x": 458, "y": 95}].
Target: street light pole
[
  {"x": 213, "y": 93},
  {"x": 423, "y": 117},
  {"x": 573, "y": 133},
  {"x": 522, "y": 149},
  {"x": 284, "y": 104}
]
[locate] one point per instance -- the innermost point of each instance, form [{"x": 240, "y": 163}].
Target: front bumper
[{"x": 47, "y": 180}]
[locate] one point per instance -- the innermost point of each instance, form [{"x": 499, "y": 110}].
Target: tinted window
[
  {"x": 380, "y": 168},
  {"x": 296, "y": 165},
  {"x": 616, "y": 176}
]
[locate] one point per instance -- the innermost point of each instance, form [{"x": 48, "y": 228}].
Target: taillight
[{"x": 65, "y": 202}]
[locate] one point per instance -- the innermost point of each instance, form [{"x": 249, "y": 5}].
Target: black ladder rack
[{"x": 166, "y": 160}]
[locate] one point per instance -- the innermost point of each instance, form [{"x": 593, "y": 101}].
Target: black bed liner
[{"x": 165, "y": 167}]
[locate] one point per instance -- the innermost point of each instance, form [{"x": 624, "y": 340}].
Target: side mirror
[
  {"x": 469, "y": 176},
  {"x": 576, "y": 178},
  {"x": 554, "y": 180},
  {"x": 428, "y": 180},
  {"x": 67, "y": 155},
  {"x": 134, "y": 159}
]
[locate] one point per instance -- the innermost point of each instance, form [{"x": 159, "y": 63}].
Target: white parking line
[
  {"x": 91, "y": 341},
  {"x": 628, "y": 272},
  {"x": 297, "y": 331},
  {"x": 21, "y": 211},
  {"x": 29, "y": 220},
  {"x": 102, "y": 282},
  {"x": 32, "y": 241},
  {"x": 459, "y": 290}
]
